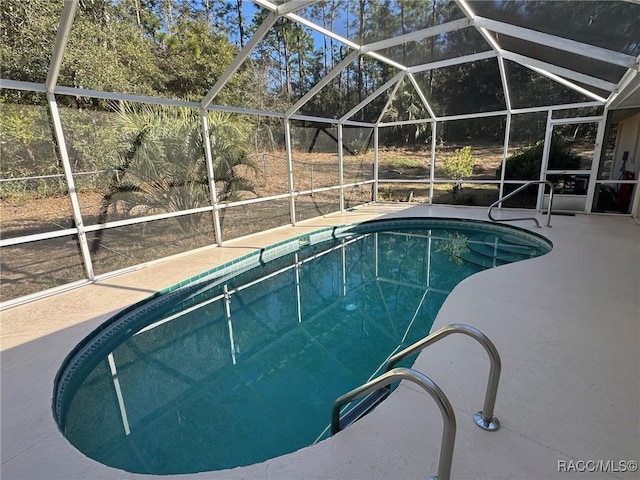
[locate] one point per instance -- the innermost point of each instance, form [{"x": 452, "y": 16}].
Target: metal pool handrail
[
  {"x": 448, "y": 416},
  {"x": 484, "y": 419},
  {"x": 515, "y": 192}
]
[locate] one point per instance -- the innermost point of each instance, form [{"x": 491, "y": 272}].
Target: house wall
[{"x": 628, "y": 140}]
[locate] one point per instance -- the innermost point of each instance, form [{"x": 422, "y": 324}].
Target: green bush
[
  {"x": 525, "y": 163},
  {"x": 458, "y": 166}
]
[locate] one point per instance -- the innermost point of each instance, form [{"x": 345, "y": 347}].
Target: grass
[{"x": 407, "y": 162}]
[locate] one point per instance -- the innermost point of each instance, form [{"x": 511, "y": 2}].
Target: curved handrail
[
  {"x": 484, "y": 419},
  {"x": 448, "y": 416},
  {"x": 516, "y": 191}
]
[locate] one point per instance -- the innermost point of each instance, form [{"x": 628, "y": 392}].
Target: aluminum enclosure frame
[{"x": 485, "y": 26}]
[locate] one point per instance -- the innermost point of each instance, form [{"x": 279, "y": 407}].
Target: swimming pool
[{"x": 243, "y": 362}]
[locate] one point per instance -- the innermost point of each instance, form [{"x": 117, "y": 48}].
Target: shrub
[
  {"x": 525, "y": 163},
  {"x": 458, "y": 166}
]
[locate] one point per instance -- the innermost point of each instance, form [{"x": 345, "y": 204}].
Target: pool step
[
  {"x": 488, "y": 251},
  {"x": 499, "y": 252},
  {"x": 511, "y": 243},
  {"x": 481, "y": 260},
  {"x": 367, "y": 404}
]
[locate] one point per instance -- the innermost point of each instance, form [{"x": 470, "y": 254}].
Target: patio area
[{"x": 567, "y": 326}]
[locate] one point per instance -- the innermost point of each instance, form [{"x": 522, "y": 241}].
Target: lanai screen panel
[
  {"x": 282, "y": 68},
  {"x": 463, "y": 89},
  {"x": 405, "y": 104},
  {"x": 362, "y": 78},
  {"x": 572, "y": 61},
  {"x": 133, "y": 160},
  {"x": 590, "y": 43},
  {"x": 445, "y": 46},
  {"x": 613, "y": 25},
  {"x": 528, "y": 88},
  {"x": 30, "y": 171}
]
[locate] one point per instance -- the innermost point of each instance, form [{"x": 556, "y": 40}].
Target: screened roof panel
[
  {"x": 633, "y": 100},
  {"x": 361, "y": 79},
  {"x": 601, "y": 93},
  {"x": 531, "y": 89},
  {"x": 609, "y": 24},
  {"x": 280, "y": 76},
  {"x": 571, "y": 61},
  {"x": 442, "y": 47},
  {"x": 380, "y": 20},
  {"x": 178, "y": 49},
  {"x": 467, "y": 88}
]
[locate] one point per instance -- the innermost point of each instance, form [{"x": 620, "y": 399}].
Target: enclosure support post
[
  {"x": 71, "y": 187},
  {"x": 432, "y": 167},
  {"x": 287, "y": 140},
  {"x": 505, "y": 154},
  {"x": 212, "y": 181},
  {"x": 548, "y": 137},
  {"x": 62, "y": 37},
  {"x": 341, "y": 167},
  {"x": 597, "y": 154},
  {"x": 376, "y": 139}
]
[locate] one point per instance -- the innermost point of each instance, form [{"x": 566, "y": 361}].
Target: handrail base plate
[{"x": 491, "y": 426}]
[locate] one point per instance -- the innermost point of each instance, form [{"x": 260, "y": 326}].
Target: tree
[{"x": 27, "y": 35}]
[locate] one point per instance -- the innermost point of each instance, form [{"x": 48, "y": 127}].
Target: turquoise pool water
[{"x": 243, "y": 363}]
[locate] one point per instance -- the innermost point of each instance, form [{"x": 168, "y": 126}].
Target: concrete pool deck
[{"x": 567, "y": 326}]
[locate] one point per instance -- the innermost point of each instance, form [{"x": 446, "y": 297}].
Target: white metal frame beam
[
  {"x": 423, "y": 98},
  {"x": 322, "y": 83},
  {"x": 62, "y": 36},
  {"x": 213, "y": 194},
  {"x": 453, "y": 61},
  {"x": 564, "y": 72},
  {"x": 553, "y": 41},
  {"x": 293, "y": 5},
  {"x": 20, "y": 85},
  {"x": 125, "y": 97},
  {"x": 392, "y": 96},
  {"x": 624, "y": 82},
  {"x": 73, "y": 194},
  {"x": 239, "y": 59},
  {"x": 462, "y": 4},
  {"x": 567, "y": 83},
  {"x": 417, "y": 35},
  {"x": 505, "y": 83},
  {"x": 395, "y": 79}
]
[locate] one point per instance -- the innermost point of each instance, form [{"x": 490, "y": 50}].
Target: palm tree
[{"x": 164, "y": 167}]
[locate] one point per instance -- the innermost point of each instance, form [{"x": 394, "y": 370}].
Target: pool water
[{"x": 236, "y": 368}]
